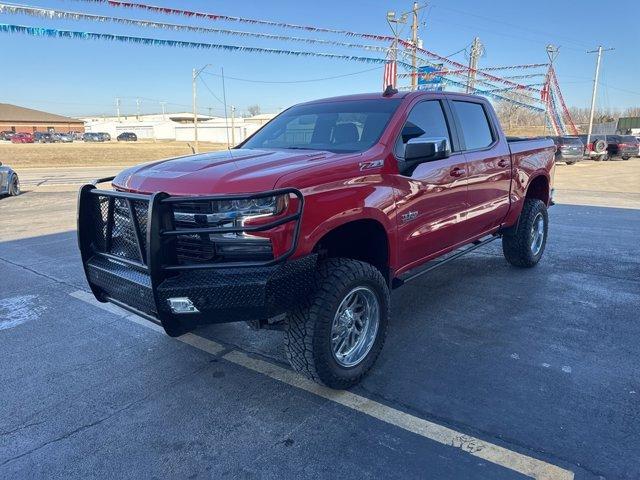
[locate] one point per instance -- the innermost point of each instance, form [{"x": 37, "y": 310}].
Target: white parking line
[{"x": 490, "y": 452}]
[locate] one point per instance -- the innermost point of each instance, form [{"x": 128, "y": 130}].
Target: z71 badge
[{"x": 370, "y": 165}]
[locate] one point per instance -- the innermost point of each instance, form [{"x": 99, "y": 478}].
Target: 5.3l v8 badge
[{"x": 407, "y": 217}]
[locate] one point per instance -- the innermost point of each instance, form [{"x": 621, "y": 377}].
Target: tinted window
[
  {"x": 572, "y": 141},
  {"x": 350, "y": 126},
  {"x": 475, "y": 125},
  {"x": 426, "y": 119}
]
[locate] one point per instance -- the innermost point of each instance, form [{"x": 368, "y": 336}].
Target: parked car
[
  {"x": 9, "y": 182},
  {"x": 7, "y": 134},
  {"x": 569, "y": 149},
  {"x": 22, "y": 138},
  {"x": 43, "y": 137},
  {"x": 62, "y": 137},
  {"x": 92, "y": 137},
  {"x": 350, "y": 197},
  {"x": 127, "y": 137},
  {"x": 596, "y": 148},
  {"x": 622, "y": 146}
]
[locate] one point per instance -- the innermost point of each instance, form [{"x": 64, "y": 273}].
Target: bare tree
[{"x": 254, "y": 109}]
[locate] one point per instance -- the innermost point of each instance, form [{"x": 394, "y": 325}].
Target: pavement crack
[
  {"x": 21, "y": 427},
  {"x": 113, "y": 414},
  {"x": 41, "y": 274}
]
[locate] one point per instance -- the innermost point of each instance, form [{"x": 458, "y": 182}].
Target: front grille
[
  {"x": 195, "y": 249},
  {"x": 127, "y": 225}
]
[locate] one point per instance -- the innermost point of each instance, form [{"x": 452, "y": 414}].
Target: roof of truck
[{"x": 380, "y": 96}]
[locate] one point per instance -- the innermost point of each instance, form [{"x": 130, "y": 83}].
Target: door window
[
  {"x": 476, "y": 129},
  {"x": 426, "y": 119}
]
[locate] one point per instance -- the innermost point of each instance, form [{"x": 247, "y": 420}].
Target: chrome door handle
[{"x": 457, "y": 172}]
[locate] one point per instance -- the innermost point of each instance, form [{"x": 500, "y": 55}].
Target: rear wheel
[
  {"x": 626, "y": 158},
  {"x": 570, "y": 163},
  {"x": 335, "y": 337},
  {"x": 524, "y": 247}
]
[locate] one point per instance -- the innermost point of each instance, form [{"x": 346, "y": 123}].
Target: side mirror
[{"x": 424, "y": 149}]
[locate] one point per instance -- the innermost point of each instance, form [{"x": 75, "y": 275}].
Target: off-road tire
[
  {"x": 308, "y": 327},
  {"x": 516, "y": 245}
]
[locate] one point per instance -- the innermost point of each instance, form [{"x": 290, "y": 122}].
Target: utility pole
[
  {"x": 118, "y": 108},
  {"x": 162, "y": 105},
  {"x": 477, "y": 49},
  {"x": 599, "y": 51},
  {"x": 233, "y": 125},
  {"x": 194, "y": 77},
  {"x": 137, "y": 109},
  {"x": 414, "y": 45},
  {"x": 394, "y": 24}
]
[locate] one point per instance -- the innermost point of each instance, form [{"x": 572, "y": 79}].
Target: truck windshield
[{"x": 341, "y": 127}]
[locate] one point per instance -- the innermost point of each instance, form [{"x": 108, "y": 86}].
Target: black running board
[{"x": 412, "y": 274}]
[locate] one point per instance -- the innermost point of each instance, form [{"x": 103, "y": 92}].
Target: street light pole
[
  {"x": 392, "y": 20},
  {"x": 599, "y": 51}
]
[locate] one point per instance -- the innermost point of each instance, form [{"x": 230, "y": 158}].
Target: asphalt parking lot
[{"x": 488, "y": 371}]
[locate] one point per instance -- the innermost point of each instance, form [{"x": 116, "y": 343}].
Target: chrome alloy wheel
[
  {"x": 355, "y": 326},
  {"x": 537, "y": 234}
]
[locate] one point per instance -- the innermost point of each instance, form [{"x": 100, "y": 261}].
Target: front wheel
[
  {"x": 525, "y": 246},
  {"x": 335, "y": 337},
  {"x": 14, "y": 187}
]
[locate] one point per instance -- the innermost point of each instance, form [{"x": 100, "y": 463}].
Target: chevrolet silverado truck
[{"x": 309, "y": 223}]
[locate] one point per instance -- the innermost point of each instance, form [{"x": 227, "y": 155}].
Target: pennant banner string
[
  {"x": 49, "y": 13},
  {"x": 311, "y": 28},
  {"x": 215, "y": 16},
  {"x": 51, "y": 32}
]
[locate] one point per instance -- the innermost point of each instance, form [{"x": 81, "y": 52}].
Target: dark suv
[
  {"x": 569, "y": 149},
  {"x": 127, "y": 137}
]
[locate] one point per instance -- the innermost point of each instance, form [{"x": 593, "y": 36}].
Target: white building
[{"x": 179, "y": 126}]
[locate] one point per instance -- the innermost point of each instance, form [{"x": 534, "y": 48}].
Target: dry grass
[{"x": 93, "y": 154}]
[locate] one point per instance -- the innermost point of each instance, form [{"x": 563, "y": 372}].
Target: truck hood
[{"x": 235, "y": 171}]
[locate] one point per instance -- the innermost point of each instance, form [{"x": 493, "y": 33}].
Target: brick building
[{"x": 20, "y": 119}]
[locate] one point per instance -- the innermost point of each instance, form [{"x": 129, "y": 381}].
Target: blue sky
[{"x": 77, "y": 77}]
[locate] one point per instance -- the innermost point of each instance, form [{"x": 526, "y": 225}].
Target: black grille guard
[{"x": 151, "y": 228}]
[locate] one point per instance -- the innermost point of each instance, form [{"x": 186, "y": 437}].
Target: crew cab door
[
  {"x": 488, "y": 163},
  {"x": 432, "y": 198}
]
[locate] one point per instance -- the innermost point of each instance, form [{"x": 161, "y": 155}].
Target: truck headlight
[
  {"x": 239, "y": 246},
  {"x": 251, "y": 208}
]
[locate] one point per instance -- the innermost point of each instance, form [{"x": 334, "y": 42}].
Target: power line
[
  {"x": 209, "y": 89},
  {"x": 512, "y": 25},
  {"x": 294, "y": 81}
]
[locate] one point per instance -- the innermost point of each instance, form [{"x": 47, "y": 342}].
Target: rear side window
[
  {"x": 426, "y": 119},
  {"x": 475, "y": 125}
]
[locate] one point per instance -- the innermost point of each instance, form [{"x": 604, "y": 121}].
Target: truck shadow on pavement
[{"x": 544, "y": 358}]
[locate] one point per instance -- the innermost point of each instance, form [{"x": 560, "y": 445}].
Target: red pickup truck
[{"x": 308, "y": 224}]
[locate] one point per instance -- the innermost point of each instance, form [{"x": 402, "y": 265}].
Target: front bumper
[{"x": 143, "y": 277}]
